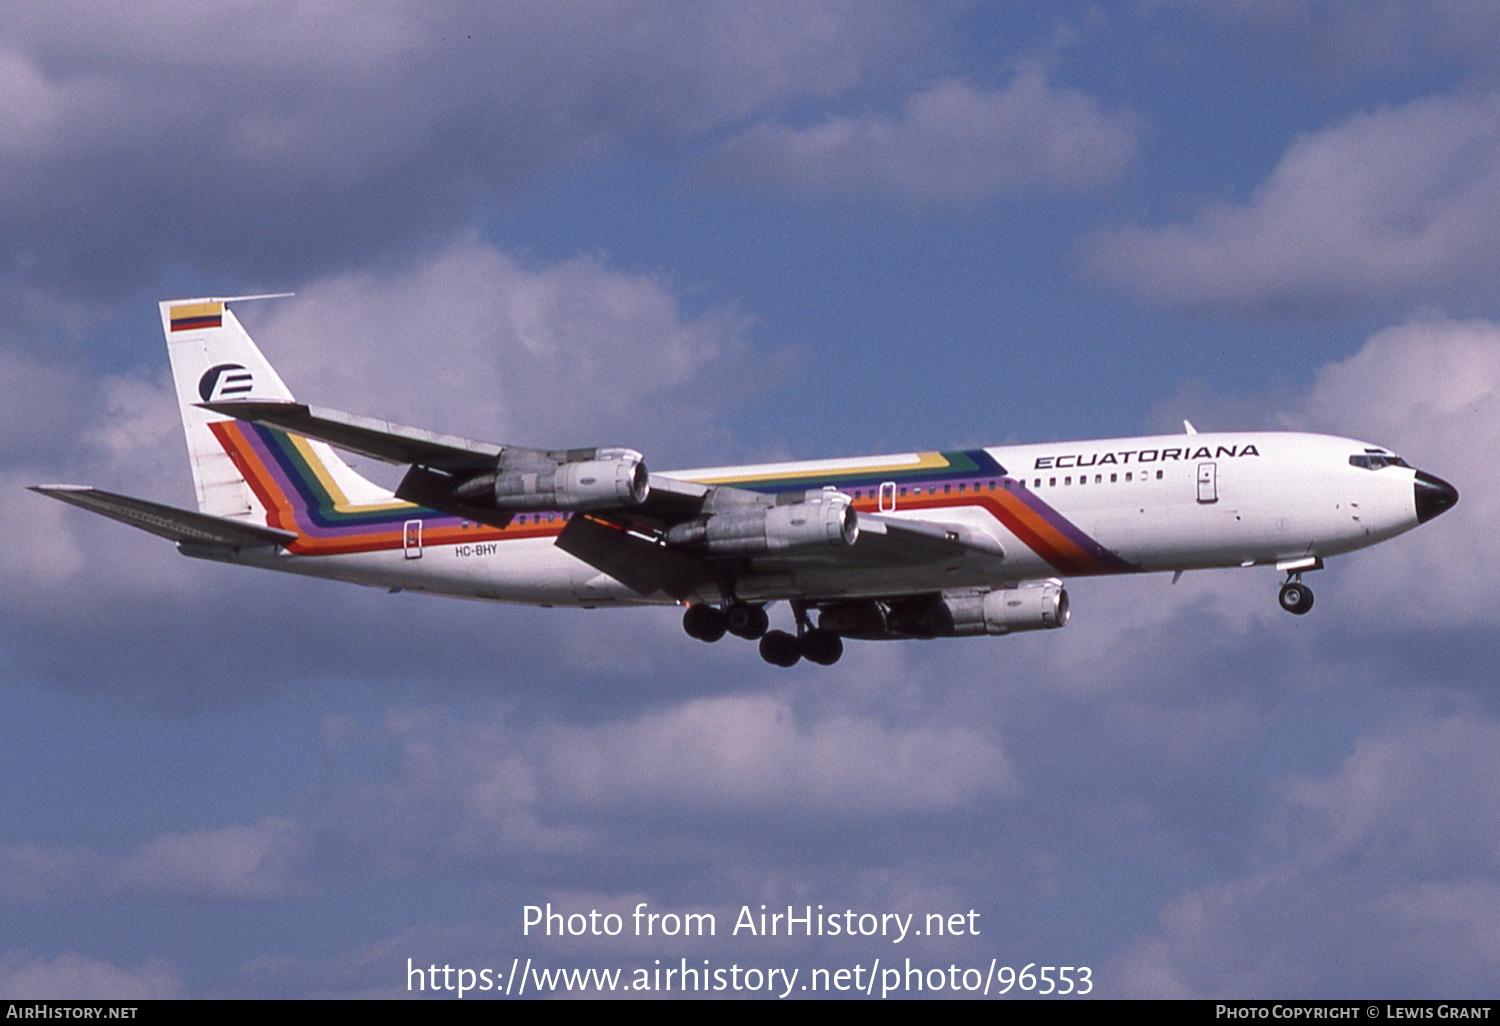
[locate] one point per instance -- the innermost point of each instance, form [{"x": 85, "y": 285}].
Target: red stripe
[{"x": 189, "y": 323}]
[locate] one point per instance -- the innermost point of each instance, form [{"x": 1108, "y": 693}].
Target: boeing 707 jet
[{"x": 910, "y": 545}]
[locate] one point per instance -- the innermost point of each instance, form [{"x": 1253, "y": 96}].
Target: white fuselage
[{"x": 1062, "y": 509}]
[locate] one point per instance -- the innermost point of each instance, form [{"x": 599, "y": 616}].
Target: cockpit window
[{"x": 1375, "y": 461}]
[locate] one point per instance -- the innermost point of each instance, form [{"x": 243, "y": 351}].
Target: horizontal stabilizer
[
  {"x": 367, "y": 436},
  {"x": 169, "y": 522}
]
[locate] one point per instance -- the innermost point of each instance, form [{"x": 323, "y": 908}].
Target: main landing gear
[
  {"x": 816, "y": 646},
  {"x": 749, "y": 621},
  {"x": 1295, "y": 596},
  {"x": 709, "y": 623}
]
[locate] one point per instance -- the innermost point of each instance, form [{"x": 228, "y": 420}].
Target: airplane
[{"x": 955, "y": 543}]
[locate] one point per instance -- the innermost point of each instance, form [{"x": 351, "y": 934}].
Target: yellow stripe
[
  {"x": 924, "y": 461},
  {"x": 341, "y": 501},
  {"x": 181, "y": 313}
]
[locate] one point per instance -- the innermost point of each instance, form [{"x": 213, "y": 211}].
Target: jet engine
[
  {"x": 1034, "y": 605},
  {"x": 820, "y": 520},
  {"x": 611, "y": 478}
]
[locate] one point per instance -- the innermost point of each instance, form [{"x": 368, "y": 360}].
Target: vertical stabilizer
[{"x": 214, "y": 359}]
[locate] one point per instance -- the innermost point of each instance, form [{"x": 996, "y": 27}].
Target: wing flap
[
  {"x": 641, "y": 565},
  {"x": 168, "y": 522}
]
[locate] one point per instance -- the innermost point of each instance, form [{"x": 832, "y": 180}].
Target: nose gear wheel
[{"x": 1296, "y": 597}]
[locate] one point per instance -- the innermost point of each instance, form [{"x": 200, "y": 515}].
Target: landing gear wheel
[
  {"x": 1296, "y": 597},
  {"x": 780, "y": 648},
  {"x": 822, "y": 647},
  {"x": 747, "y": 621},
  {"x": 704, "y": 623}
]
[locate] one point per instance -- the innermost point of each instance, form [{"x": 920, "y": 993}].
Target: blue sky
[{"x": 727, "y": 232}]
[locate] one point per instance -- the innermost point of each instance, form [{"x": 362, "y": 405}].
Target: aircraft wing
[
  {"x": 378, "y": 439},
  {"x": 169, "y": 522},
  {"x": 440, "y": 461},
  {"x": 908, "y": 541},
  {"x": 645, "y": 565},
  {"x": 634, "y": 559}
]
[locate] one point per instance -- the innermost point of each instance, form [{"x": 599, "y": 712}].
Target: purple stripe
[{"x": 287, "y": 487}]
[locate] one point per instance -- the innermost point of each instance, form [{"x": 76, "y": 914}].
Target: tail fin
[{"x": 213, "y": 358}]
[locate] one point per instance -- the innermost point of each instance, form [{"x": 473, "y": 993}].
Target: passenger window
[
  {"x": 1158, "y": 475},
  {"x": 1051, "y": 482},
  {"x": 1127, "y": 476},
  {"x": 1114, "y": 479}
]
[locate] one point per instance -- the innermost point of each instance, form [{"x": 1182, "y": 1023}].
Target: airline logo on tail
[{"x": 225, "y": 381}]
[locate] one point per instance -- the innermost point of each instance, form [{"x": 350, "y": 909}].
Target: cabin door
[{"x": 1208, "y": 482}]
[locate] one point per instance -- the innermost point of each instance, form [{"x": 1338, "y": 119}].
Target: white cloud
[
  {"x": 951, "y": 143},
  {"x": 1390, "y": 206},
  {"x": 462, "y": 794},
  {"x": 1420, "y": 798},
  {"x": 255, "y": 862},
  {"x": 71, "y": 976},
  {"x": 1389, "y": 864},
  {"x": 1430, "y": 389},
  {"x": 753, "y": 753},
  {"x": 282, "y": 139},
  {"x": 481, "y": 790},
  {"x": 473, "y": 342}
]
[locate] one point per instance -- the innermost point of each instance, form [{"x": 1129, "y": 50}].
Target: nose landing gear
[{"x": 1296, "y": 597}]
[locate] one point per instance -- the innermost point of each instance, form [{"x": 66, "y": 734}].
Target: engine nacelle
[
  {"x": 1034, "y": 605},
  {"x": 822, "y": 520},
  {"x": 615, "y": 477}
]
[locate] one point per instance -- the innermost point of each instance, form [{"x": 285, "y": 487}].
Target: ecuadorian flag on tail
[{"x": 196, "y": 316}]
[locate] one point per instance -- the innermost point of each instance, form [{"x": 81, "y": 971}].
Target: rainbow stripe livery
[
  {"x": 912, "y": 545},
  {"x": 300, "y": 495}
]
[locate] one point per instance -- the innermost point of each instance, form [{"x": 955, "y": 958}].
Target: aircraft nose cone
[{"x": 1434, "y": 495}]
